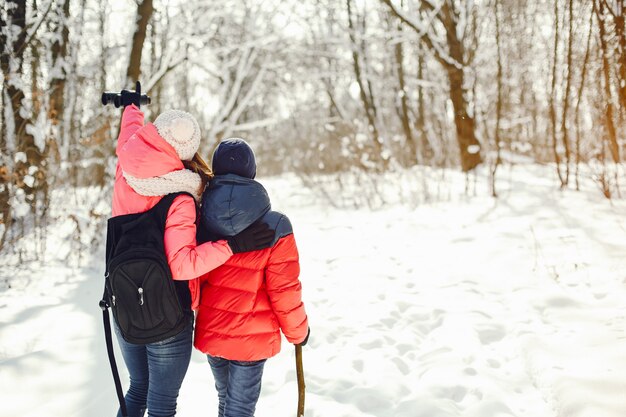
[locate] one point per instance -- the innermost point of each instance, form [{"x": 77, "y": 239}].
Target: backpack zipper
[{"x": 140, "y": 291}]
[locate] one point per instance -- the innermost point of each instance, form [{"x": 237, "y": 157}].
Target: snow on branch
[
  {"x": 232, "y": 97},
  {"x": 270, "y": 121},
  {"x": 245, "y": 62},
  {"x": 32, "y": 31},
  {"x": 423, "y": 28},
  {"x": 164, "y": 69},
  {"x": 243, "y": 103}
]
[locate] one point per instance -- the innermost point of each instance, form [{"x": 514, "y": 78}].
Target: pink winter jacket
[{"x": 143, "y": 153}]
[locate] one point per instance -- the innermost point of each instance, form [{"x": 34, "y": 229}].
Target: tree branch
[
  {"x": 162, "y": 72},
  {"x": 422, "y": 32},
  {"x": 609, "y": 8},
  {"x": 31, "y": 33}
]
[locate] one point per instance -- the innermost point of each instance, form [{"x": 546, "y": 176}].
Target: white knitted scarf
[{"x": 172, "y": 182}]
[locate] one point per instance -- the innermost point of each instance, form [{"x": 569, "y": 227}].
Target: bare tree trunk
[
  {"x": 102, "y": 25},
  {"x": 144, "y": 13},
  {"x": 568, "y": 83},
  {"x": 603, "y": 177},
  {"x": 618, "y": 17},
  {"x": 59, "y": 54},
  {"x": 606, "y": 69},
  {"x": 404, "y": 101},
  {"x": 466, "y": 137},
  {"x": 5, "y": 160},
  {"x": 557, "y": 157},
  {"x": 363, "y": 91},
  {"x": 366, "y": 67},
  {"x": 15, "y": 137},
  {"x": 56, "y": 110},
  {"x": 34, "y": 69},
  {"x": 425, "y": 149},
  {"x": 16, "y": 16},
  {"x": 579, "y": 99},
  {"x": 104, "y": 144},
  {"x": 498, "y": 160},
  {"x": 157, "y": 42},
  {"x": 72, "y": 114}
]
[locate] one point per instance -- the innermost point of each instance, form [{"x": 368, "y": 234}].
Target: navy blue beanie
[{"x": 234, "y": 156}]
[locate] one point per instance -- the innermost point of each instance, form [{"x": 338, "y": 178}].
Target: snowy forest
[
  {"x": 453, "y": 171},
  {"x": 317, "y": 87}
]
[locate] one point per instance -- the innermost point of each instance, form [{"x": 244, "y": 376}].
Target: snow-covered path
[{"x": 477, "y": 308}]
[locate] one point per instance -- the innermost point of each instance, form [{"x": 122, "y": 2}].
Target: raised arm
[{"x": 132, "y": 120}]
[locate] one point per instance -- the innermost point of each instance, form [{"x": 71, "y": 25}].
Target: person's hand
[
  {"x": 128, "y": 97},
  {"x": 306, "y": 339},
  {"x": 255, "y": 237}
]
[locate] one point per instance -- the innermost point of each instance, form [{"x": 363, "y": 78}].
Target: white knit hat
[{"x": 181, "y": 130}]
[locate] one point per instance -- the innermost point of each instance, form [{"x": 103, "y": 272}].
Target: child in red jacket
[{"x": 245, "y": 303}]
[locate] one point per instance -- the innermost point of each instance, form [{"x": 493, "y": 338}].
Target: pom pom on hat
[{"x": 181, "y": 130}]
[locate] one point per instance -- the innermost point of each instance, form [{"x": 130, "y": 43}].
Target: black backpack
[{"x": 139, "y": 287}]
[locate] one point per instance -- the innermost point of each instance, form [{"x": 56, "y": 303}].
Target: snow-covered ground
[{"x": 468, "y": 307}]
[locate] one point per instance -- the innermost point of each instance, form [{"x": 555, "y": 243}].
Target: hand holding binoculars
[{"x": 126, "y": 97}]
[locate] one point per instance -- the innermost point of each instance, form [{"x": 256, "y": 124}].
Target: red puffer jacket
[{"x": 245, "y": 303}]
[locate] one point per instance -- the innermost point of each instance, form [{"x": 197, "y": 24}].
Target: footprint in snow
[
  {"x": 403, "y": 348},
  {"x": 402, "y": 366},
  {"x": 493, "y": 363},
  {"x": 374, "y": 344},
  {"x": 490, "y": 333},
  {"x": 456, "y": 393},
  {"x": 403, "y": 307},
  {"x": 429, "y": 327},
  {"x": 470, "y": 371}
]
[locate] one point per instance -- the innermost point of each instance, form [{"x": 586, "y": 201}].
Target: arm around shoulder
[{"x": 186, "y": 258}]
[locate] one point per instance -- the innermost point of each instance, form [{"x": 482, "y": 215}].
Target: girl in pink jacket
[{"x": 154, "y": 160}]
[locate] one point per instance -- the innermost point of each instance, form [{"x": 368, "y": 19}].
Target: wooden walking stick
[{"x": 301, "y": 386}]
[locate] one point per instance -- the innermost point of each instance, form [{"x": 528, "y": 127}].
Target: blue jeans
[
  {"x": 238, "y": 385},
  {"x": 156, "y": 373}
]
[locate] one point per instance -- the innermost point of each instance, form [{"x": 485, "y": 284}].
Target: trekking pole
[{"x": 301, "y": 386}]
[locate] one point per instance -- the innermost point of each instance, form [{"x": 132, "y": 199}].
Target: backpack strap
[
  {"x": 109, "y": 342},
  {"x": 161, "y": 208}
]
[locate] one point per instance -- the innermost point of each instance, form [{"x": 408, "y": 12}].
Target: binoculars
[{"x": 125, "y": 97}]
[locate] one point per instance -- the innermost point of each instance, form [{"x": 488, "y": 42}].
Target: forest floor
[{"x": 466, "y": 306}]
